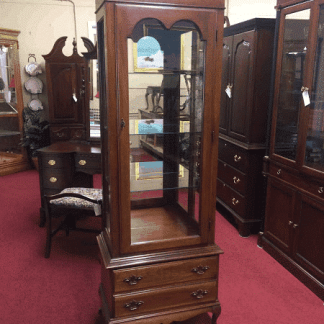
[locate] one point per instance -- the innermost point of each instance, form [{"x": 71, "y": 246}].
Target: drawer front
[
  {"x": 135, "y": 278},
  {"x": 231, "y": 198},
  {"x": 232, "y": 177},
  {"x": 56, "y": 178},
  {"x": 56, "y": 161},
  {"x": 86, "y": 161},
  {"x": 233, "y": 155},
  {"x": 159, "y": 299}
]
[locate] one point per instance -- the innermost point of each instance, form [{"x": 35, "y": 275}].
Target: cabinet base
[
  {"x": 295, "y": 269},
  {"x": 245, "y": 227}
]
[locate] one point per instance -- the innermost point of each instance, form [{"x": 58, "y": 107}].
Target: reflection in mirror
[
  {"x": 94, "y": 114},
  {"x": 291, "y": 82},
  {"x": 166, "y": 74}
]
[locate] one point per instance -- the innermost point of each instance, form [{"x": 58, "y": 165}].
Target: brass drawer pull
[
  {"x": 82, "y": 162},
  {"x": 320, "y": 190},
  {"x": 295, "y": 225},
  {"x": 200, "y": 269},
  {"x": 236, "y": 180},
  {"x": 290, "y": 222},
  {"x": 235, "y": 201},
  {"x": 52, "y": 179},
  {"x": 134, "y": 305},
  {"x": 51, "y": 162},
  {"x": 133, "y": 280},
  {"x": 279, "y": 172},
  {"x": 199, "y": 293},
  {"x": 237, "y": 158}
]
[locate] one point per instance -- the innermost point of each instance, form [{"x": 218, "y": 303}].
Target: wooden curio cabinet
[
  {"x": 159, "y": 91},
  {"x": 294, "y": 221},
  {"x": 245, "y": 94},
  {"x": 13, "y": 157}
]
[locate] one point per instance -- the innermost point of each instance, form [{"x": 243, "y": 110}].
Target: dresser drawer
[
  {"x": 232, "y": 177},
  {"x": 233, "y": 155},
  {"x": 56, "y": 178},
  {"x": 168, "y": 273},
  {"x": 87, "y": 161},
  {"x": 56, "y": 161},
  {"x": 231, "y": 198},
  {"x": 160, "y": 299}
]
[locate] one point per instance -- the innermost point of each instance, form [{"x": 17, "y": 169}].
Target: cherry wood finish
[
  {"x": 158, "y": 265},
  {"x": 294, "y": 220},
  {"x": 13, "y": 157},
  {"x": 246, "y": 71}
]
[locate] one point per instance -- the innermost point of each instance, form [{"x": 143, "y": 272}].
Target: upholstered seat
[{"x": 73, "y": 203}]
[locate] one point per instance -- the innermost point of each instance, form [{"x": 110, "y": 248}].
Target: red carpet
[{"x": 253, "y": 287}]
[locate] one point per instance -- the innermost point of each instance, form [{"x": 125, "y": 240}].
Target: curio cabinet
[
  {"x": 294, "y": 220},
  {"x": 159, "y": 87}
]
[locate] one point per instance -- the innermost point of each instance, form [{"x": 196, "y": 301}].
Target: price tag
[
  {"x": 228, "y": 91},
  {"x": 74, "y": 97},
  {"x": 97, "y": 210},
  {"x": 306, "y": 98}
]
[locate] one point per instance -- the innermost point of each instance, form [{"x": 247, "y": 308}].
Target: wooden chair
[{"x": 71, "y": 203}]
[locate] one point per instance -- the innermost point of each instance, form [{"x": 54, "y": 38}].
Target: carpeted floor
[{"x": 253, "y": 287}]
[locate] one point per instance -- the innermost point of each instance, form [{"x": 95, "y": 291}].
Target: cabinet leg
[
  {"x": 42, "y": 219},
  {"x": 216, "y": 314},
  {"x": 244, "y": 229}
]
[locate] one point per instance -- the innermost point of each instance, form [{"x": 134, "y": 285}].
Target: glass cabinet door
[
  {"x": 314, "y": 150},
  {"x": 292, "y": 74},
  {"x": 162, "y": 126}
]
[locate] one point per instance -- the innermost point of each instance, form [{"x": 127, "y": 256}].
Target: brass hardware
[
  {"x": 320, "y": 190},
  {"x": 53, "y": 179},
  {"x": 236, "y": 180},
  {"x": 199, "y": 293},
  {"x": 295, "y": 225},
  {"x": 82, "y": 162},
  {"x": 304, "y": 89},
  {"x": 237, "y": 158},
  {"x": 133, "y": 280},
  {"x": 122, "y": 123},
  {"x": 279, "y": 172},
  {"x": 134, "y": 305},
  {"x": 290, "y": 223},
  {"x": 235, "y": 201},
  {"x": 51, "y": 162},
  {"x": 200, "y": 269}
]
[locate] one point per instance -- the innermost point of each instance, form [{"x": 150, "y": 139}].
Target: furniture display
[
  {"x": 66, "y": 164},
  {"x": 246, "y": 76},
  {"x": 72, "y": 204},
  {"x": 13, "y": 157},
  {"x": 159, "y": 258},
  {"x": 294, "y": 220},
  {"x": 68, "y": 91}
]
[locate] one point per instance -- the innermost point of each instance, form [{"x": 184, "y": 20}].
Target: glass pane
[
  {"x": 166, "y": 74},
  {"x": 314, "y": 156},
  {"x": 9, "y": 123},
  {"x": 291, "y": 82}
]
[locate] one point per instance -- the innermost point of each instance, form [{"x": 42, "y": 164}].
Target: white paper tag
[
  {"x": 306, "y": 98},
  {"x": 97, "y": 210},
  {"x": 74, "y": 97},
  {"x": 228, "y": 92}
]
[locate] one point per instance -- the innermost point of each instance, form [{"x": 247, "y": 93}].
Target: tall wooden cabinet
[
  {"x": 159, "y": 259},
  {"x": 294, "y": 220},
  {"x": 245, "y": 94}
]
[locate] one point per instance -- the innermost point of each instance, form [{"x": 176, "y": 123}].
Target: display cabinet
[
  {"x": 245, "y": 95},
  {"x": 159, "y": 72},
  {"x": 13, "y": 157},
  {"x": 294, "y": 221}
]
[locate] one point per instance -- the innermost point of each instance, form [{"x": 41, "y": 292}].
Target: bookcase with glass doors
[
  {"x": 159, "y": 85},
  {"x": 294, "y": 219}
]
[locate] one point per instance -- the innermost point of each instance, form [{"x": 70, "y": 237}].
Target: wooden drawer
[
  {"x": 231, "y": 198},
  {"x": 232, "y": 177},
  {"x": 233, "y": 155},
  {"x": 168, "y": 273},
  {"x": 56, "y": 161},
  {"x": 160, "y": 299},
  {"x": 56, "y": 178},
  {"x": 87, "y": 161}
]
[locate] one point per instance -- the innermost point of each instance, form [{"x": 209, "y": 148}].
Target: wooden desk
[{"x": 66, "y": 164}]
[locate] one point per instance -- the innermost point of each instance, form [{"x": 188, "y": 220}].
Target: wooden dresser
[{"x": 246, "y": 74}]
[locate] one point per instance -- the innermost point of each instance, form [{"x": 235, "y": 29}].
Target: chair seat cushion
[{"x": 92, "y": 193}]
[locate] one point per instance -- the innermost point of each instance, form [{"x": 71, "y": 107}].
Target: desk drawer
[
  {"x": 231, "y": 198},
  {"x": 232, "y": 177},
  {"x": 56, "y": 161},
  {"x": 87, "y": 161},
  {"x": 165, "y": 274},
  {"x": 233, "y": 155},
  {"x": 56, "y": 178},
  {"x": 159, "y": 299}
]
